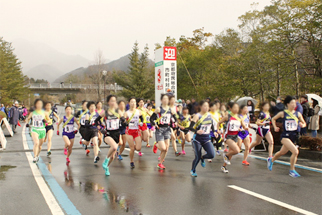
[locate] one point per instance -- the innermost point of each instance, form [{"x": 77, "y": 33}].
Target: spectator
[
  {"x": 193, "y": 106},
  {"x": 298, "y": 105},
  {"x": 2, "y": 108},
  {"x": 314, "y": 122},
  {"x": 24, "y": 112},
  {"x": 306, "y": 106},
  {"x": 277, "y": 107},
  {"x": 14, "y": 116},
  {"x": 183, "y": 103},
  {"x": 251, "y": 110}
]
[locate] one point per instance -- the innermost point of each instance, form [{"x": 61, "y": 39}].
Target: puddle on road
[
  {"x": 3, "y": 170},
  {"x": 92, "y": 188}
]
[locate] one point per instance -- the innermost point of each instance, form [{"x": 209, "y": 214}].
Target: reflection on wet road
[{"x": 3, "y": 170}]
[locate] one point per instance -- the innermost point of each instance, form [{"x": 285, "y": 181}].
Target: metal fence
[{"x": 73, "y": 86}]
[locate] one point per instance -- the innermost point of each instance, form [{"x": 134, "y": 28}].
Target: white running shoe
[
  {"x": 224, "y": 170},
  {"x": 226, "y": 160}
]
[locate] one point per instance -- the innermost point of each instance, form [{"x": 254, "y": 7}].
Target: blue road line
[
  {"x": 287, "y": 164},
  {"x": 56, "y": 189}
]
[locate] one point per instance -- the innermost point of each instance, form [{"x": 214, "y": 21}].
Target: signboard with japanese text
[{"x": 165, "y": 72}]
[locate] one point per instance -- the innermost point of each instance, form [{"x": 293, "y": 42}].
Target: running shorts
[
  {"x": 243, "y": 135},
  {"x": 152, "y": 128},
  {"x": 293, "y": 136},
  {"x": 162, "y": 134},
  {"x": 49, "y": 127},
  {"x": 122, "y": 130},
  {"x": 70, "y": 135},
  {"x": 115, "y": 135},
  {"x": 144, "y": 127},
  {"x": 90, "y": 133},
  {"x": 262, "y": 131},
  {"x": 232, "y": 137},
  {"x": 133, "y": 132},
  {"x": 82, "y": 131},
  {"x": 41, "y": 133}
]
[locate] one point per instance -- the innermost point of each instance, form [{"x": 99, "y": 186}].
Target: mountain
[
  {"x": 119, "y": 64},
  {"x": 40, "y": 60}
]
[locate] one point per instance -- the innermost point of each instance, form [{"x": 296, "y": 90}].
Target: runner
[
  {"x": 223, "y": 112},
  {"x": 49, "y": 127},
  {"x": 80, "y": 115},
  {"x": 100, "y": 111},
  {"x": 243, "y": 136},
  {"x": 122, "y": 143},
  {"x": 263, "y": 130},
  {"x": 91, "y": 130},
  {"x": 133, "y": 133},
  {"x": 184, "y": 124},
  {"x": 38, "y": 130},
  {"x": 112, "y": 131},
  {"x": 231, "y": 135},
  {"x": 202, "y": 124},
  {"x": 289, "y": 135},
  {"x": 144, "y": 129},
  {"x": 216, "y": 139},
  {"x": 174, "y": 125},
  {"x": 161, "y": 118},
  {"x": 68, "y": 131},
  {"x": 148, "y": 122}
]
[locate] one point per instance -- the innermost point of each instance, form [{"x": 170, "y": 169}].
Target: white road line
[
  {"x": 44, "y": 189},
  {"x": 282, "y": 204},
  {"x": 287, "y": 163},
  {"x": 134, "y": 151}
]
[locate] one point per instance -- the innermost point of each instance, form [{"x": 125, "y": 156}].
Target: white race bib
[
  {"x": 165, "y": 119},
  {"x": 206, "y": 128},
  {"x": 112, "y": 124},
  {"x": 234, "y": 125},
  {"x": 290, "y": 125},
  {"x": 37, "y": 123},
  {"x": 69, "y": 128}
]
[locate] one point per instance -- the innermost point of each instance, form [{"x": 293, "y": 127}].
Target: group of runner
[{"x": 211, "y": 128}]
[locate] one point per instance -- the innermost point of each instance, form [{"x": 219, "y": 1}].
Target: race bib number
[
  {"x": 165, "y": 119},
  {"x": 148, "y": 118},
  {"x": 133, "y": 125},
  {"x": 290, "y": 125},
  {"x": 37, "y": 124},
  {"x": 112, "y": 124},
  {"x": 205, "y": 128},
  {"x": 69, "y": 128},
  {"x": 234, "y": 125},
  {"x": 82, "y": 121}
]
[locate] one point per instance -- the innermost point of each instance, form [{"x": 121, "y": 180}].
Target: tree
[
  {"x": 12, "y": 80},
  {"x": 139, "y": 80}
]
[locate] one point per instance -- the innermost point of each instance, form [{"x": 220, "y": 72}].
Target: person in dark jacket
[
  {"x": 306, "y": 106},
  {"x": 14, "y": 116}
]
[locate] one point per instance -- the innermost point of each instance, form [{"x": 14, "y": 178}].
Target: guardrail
[{"x": 74, "y": 86}]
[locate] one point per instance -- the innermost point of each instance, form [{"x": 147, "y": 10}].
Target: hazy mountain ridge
[{"x": 41, "y": 61}]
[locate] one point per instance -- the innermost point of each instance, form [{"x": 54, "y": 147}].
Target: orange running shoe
[
  {"x": 161, "y": 166},
  {"x": 87, "y": 151},
  {"x": 245, "y": 163},
  {"x": 155, "y": 148}
]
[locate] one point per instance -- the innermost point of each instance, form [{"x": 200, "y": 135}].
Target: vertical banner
[
  {"x": 165, "y": 72},
  {"x": 3, "y": 140}
]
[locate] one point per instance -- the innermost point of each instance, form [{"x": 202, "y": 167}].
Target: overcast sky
[{"x": 84, "y": 26}]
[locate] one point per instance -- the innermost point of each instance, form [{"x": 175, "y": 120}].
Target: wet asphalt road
[{"x": 146, "y": 190}]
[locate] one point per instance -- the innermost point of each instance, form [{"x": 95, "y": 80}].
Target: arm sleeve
[
  {"x": 192, "y": 124},
  {"x": 123, "y": 121},
  {"x": 87, "y": 123},
  {"x": 98, "y": 120},
  {"x": 141, "y": 118},
  {"x": 174, "y": 117},
  {"x": 153, "y": 118}
]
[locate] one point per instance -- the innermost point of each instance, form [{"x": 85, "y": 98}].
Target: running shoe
[
  {"x": 224, "y": 169},
  {"x": 161, "y": 166},
  {"x": 226, "y": 160},
  {"x": 177, "y": 154},
  {"x": 148, "y": 145},
  {"x": 225, "y": 150},
  {"x": 96, "y": 159},
  {"x": 105, "y": 163},
  {"x": 245, "y": 163},
  {"x": 120, "y": 157},
  {"x": 107, "y": 171},
  {"x": 80, "y": 142},
  {"x": 183, "y": 152},
  {"x": 270, "y": 163},
  {"x": 294, "y": 174},
  {"x": 140, "y": 154},
  {"x": 67, "y": 160},
  {"x": 34, "y": 160},
  {"x": 65, "y": 151},
  {"x": 87, "y": 152},
  {"x": 132, "y": 165},
  {"x": 203, "y": 163},
  {"x": 209, "y": 160},
  {"x": 193, "y": 174},
  {"x": 179, "y": 141},
  {"x": 218, "y": 152},
  {"x": 48, "y": 153},
  {"x": 155, "y": 148}
]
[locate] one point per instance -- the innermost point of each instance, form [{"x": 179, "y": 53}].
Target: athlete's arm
[
  {"x": 224, "y": 119},
  {"x": 28, "y": 118},
  {"x": 56, "y": 116},
  {"x": 277, "y": 116},
  {"x": 58, "y": 124},
  {"x": 302, "y": 122},
  {"x": 243, "y": 125}
]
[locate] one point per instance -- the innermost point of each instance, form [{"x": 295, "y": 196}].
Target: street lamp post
[{"x": 104, "y": 72}]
